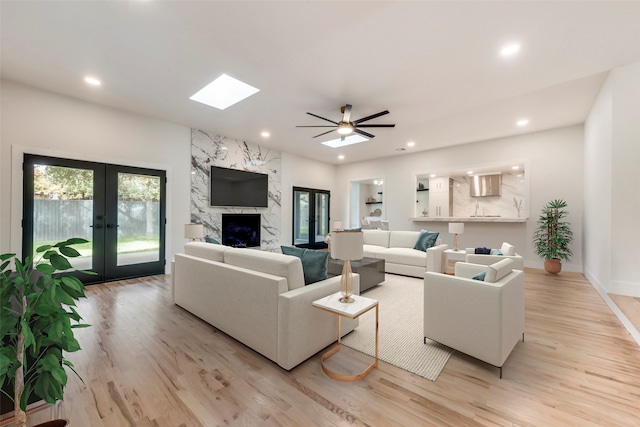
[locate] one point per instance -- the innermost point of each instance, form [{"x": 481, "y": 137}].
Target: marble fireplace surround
[{"x": 208, "y": 150}]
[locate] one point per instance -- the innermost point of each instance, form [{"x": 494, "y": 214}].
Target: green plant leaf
[
  {"x": 80, "y": 325},
  {"x": 59, "y": 262},
  {"x": 69, "y": 251},
  {"x": 4, "y": 257},
  {"x": 45, "y": 268},
  {"x": 47, "y": 255},
  {"x": 43, "y": 248}
]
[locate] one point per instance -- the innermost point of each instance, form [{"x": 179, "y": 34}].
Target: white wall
[
  {"x": 555, "y": 170},
  {"x": 39, "y": 122},
  {"x": 302, "y": 172},
  {"x": 612, "y": 199}
]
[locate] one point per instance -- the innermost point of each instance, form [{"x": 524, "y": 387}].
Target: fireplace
[{"x": 241, "y": 230}]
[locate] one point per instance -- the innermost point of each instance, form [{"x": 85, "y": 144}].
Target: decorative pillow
[
  {"x": 212, "y": 240},
  {"x": 426, "y": 240},
  {"x": 483, "y": 251},
  {"x": 314, "y": 263},
  {"x": 496, "y": 252},
  {"x": 480, "y": 276}
]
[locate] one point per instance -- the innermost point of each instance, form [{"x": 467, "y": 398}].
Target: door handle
[
  {"x": 96, "y": 226},
  {"x": 112, "y": 226}
]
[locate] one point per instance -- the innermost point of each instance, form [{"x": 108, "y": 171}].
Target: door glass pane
[
  {"x": 63, "y": 208},
  {"x": 322, "y": 216},
  {"x": 138, "y": 219},
  {"x": 300, "y": 217}
]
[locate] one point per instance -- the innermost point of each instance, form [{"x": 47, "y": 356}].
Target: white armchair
[
  {"x": 508, "y": 251},
  {"x": 484, "y": 319}
]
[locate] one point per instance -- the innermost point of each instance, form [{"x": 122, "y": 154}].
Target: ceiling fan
[{"x": 346, "y": 127}]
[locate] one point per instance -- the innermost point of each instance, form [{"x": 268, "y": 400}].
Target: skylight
[
  {"x": 223, "y": 92},
  {"x": 352, "y": 139}
]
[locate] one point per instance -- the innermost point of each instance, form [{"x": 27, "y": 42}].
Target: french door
[
  {"x": 120, "y": 210},
  {"x": 310, "y": 217}
]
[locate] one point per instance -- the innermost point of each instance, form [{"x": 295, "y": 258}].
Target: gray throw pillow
[
  {"x": 480, "y": 276},
  {"x": 314, "y": 263},
  {"x": 426, "y": 240}
]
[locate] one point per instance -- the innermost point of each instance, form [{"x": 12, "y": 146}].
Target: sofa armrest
[
  {"x": 435, "y": 258},
  {"x": 518, "y": 262},
  {"x": 304, "y": 330},
  {"x": 468, "y": 270}
]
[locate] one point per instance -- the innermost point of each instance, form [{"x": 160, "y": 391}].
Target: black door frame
[{"x": 311, "y": 219}]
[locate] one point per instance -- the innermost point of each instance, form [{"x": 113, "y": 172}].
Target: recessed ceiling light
[
  {"x": 411, "y": 144},
  {"x": 348, "y": 140},
  {"x": 510, "y": 49},
  {"x": 223, "y": 92},
  {"x": 519, "y": 175},
  {"x": 223, "y": 148},
  {"x": 515, "y": 168},
  {"x": 469, "y": 172},
  {"x": 92, "y": 81},
  {"x": 433, "y": 175},
  {"x": 522, "y": 122},
  {"x": 341, "y": 157},
  {"x": 265, "y": 134}
]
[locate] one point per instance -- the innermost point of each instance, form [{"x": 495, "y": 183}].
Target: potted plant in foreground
[
  {"x": 36, "y": 303},
  {"x": 553, "y": 236}
]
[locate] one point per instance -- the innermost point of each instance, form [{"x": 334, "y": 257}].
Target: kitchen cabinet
[{"x": 440, "y": 197}]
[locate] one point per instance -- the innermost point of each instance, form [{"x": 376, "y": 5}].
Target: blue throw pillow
[
  {"x": 426, "y": 240},
  {"x": 497, "y": 252},
  {"x": 314, "y": 263},
  {"x": 212, "y": 240},
  {"x": 480, "y": 276}
]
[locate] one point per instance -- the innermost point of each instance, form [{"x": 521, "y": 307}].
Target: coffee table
[{"x": 371, "y": 271}]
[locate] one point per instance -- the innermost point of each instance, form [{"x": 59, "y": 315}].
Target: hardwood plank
[{"x": 146, "y": 362}]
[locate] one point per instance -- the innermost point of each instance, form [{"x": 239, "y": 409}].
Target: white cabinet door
[
  {"x": 439, "y": 185},
  {"x": 439, "y": 204}
]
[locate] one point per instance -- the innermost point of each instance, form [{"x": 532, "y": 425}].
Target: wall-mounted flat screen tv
[{"x": 234, "y": 187}]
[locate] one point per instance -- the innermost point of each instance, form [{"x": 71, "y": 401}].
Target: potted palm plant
[
  {"x": 37, "y": 302},
  {"x": 553, "y": 236}
]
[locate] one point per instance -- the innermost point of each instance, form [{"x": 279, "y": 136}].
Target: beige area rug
[{"x": 401, "y": 339}]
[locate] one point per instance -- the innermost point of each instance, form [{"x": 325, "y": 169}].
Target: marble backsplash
[
  {"x": 215, "y": 150},
  {"x": 513, "y": 188}
]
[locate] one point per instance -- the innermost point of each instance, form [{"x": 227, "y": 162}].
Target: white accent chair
[
  {"x": 508, "y": 251},
  {"x": 484, "y": 319}
]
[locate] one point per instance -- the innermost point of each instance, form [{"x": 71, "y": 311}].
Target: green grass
[{"x": 126, "y": 245}]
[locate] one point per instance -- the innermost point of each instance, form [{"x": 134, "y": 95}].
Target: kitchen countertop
[{"x": 468, "y": 219}]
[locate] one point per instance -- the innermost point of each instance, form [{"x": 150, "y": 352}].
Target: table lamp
[
  {"x": 193, "y": 231},
  {"x": 456, "y": 228},
  {"x": 347, "y": 246}
]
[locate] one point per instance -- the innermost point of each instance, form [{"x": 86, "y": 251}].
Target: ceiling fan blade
[
  {"x": 346, "y": 116},
  {"x": 320, "y": 117},
  {"x": 373, "y": 116},
  {"x": 361, "y": 132},
  {"x": 377, "y": 126},
  {"x": 324, "y": 133},
  {"x": 315, "y": 126}
]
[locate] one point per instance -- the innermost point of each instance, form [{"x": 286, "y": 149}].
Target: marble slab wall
[
  {"x": 208, "y": 150},
  {"x": 512, "y": 189}
]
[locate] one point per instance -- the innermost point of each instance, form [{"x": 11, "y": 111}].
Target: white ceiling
[{"x": 434, "y": 65}]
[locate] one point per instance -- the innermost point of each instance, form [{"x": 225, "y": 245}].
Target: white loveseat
[
  {"x": 484, "y": 319},
  {"x": 258, "y": 298},
  {"x": 508, "y": 251},
  {"x": 396, "y": 248}
]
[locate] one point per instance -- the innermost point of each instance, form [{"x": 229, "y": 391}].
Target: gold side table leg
[{"x": 334, "y": 350}]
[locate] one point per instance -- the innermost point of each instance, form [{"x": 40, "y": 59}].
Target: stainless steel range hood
[{"x": 486, "y": 185}]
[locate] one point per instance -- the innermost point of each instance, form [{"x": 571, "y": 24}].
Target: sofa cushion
[
  {"x": 405, "y": 256},
  {"x": 206, "y": 251},
  {"x": 403, "y": 239},
  {"x": 498, "y": 270},
  {"x": 213, "y": 240},
  {"x": 372, "y": 251},
  {"x": 376, "y": 237},
  {"x": 281, "y": 265},
  {"x": 508, "y": 249},
  {"x": 314, "y": 263},
  {"x": 426, "y": 239}
]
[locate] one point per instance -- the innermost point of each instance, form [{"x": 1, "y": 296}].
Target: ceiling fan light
[{"x": 345, "y": 128}]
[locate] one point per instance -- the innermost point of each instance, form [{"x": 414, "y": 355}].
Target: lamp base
[
  {"x": 455, "y": 242},
  {"x": 346, "y": 283}
]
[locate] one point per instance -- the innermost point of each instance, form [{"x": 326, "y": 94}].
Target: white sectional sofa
[
  {"x": 396, "y": 248},
  {"x": 508, "y": 251},
  {"x": 258, "y": 298}
]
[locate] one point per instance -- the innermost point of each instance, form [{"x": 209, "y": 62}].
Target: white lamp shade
[
  {"x": 193, "y": 231},
  {"x": 456, "y": 227},
  {"x": 337, "y": 225},
  {"x": 347, "y": 245}
]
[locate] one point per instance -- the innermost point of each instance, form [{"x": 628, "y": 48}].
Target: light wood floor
[
  {"x": 146, "y": 362},
  {"x": 630, "y": 306}
]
